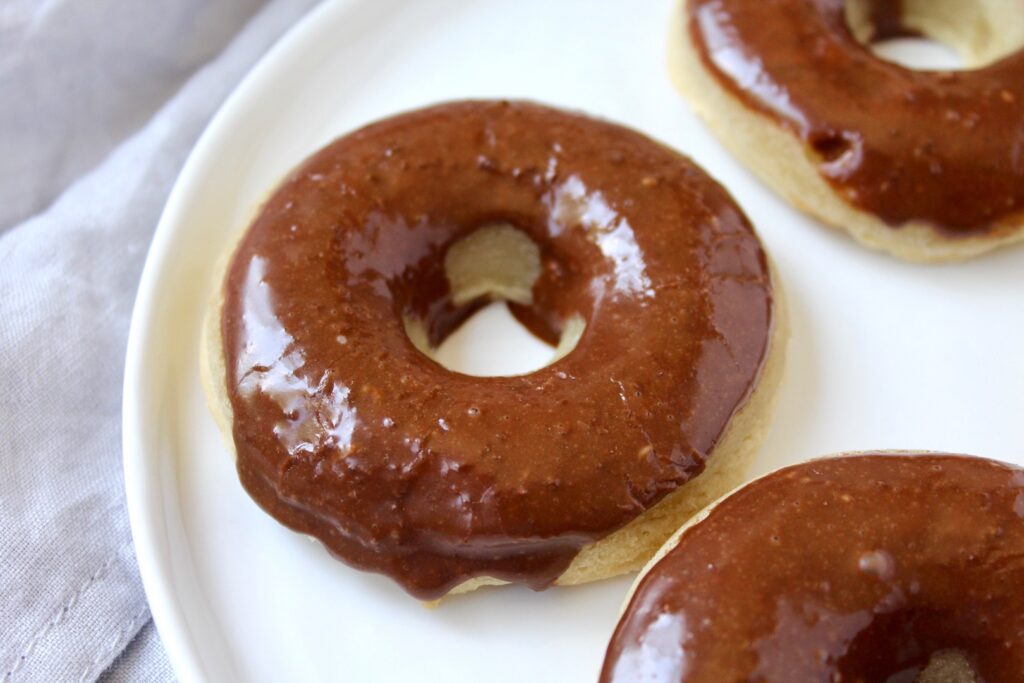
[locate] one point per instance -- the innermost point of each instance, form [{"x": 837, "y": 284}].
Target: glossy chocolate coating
[
  {"x": 345, "y": 431},
  {"x": 942, "y": 147},
  {"x": 846, "y": 569}
]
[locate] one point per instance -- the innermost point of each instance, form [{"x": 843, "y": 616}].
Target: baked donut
[
  {"x": 870, "y": 567},
  {"x": 370, "y": 253},
  {"x": 926, "y": 165}
]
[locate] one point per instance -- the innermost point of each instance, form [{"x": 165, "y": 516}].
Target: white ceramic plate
[{"x": 883, "y": 354}]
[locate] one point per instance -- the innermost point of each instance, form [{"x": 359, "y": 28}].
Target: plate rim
[{"x": 140, "y": 465}]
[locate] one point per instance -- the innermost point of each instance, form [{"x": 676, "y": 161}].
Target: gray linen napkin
[{"x": 100, "y": 103}]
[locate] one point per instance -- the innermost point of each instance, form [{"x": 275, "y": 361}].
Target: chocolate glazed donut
[
  {"x": 928, "y": 165},
  {"x": 865, "y": 568},
  {"x": 346, "y": 431}
]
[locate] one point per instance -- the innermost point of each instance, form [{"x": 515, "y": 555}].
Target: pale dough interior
[
  {"x": 497, "y": 261},
  {"x": 948, "y": 666}
]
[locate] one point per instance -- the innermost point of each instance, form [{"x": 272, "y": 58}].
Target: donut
[
  {"x": 319, "y": 342},
  {"x": 867, "y": 567},
  {"x": 925, "y": 165}
]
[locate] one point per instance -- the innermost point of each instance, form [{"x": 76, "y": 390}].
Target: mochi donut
[
  {"x": 889, "y": 568},
  {"x": 616, "y": 249},
  {"x": 925, "y": 165}
]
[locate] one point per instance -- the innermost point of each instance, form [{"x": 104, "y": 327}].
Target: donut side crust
[{"x": 786, "y": 165}]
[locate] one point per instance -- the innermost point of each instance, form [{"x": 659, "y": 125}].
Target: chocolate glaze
[
  {"x": 946, "y": 148},
  {"x": 345, "y": 431},
  {"x": 837, "y": 571},
  {"x": 886, "y": 17}
]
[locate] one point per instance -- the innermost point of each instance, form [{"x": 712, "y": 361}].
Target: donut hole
[
  {"x": 498, "y": 331},
  {"x": 937, "y": 35},
  {"x": 919, "y": 53},
  {"x": 916, "y": 646}
]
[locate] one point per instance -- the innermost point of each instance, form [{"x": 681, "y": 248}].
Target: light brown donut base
[
  {"x": 784, "y": 163},
  {"x": 628, "y": 548}
]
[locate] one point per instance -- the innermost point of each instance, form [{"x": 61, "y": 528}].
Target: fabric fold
[{"x": 71, "y": 599}]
